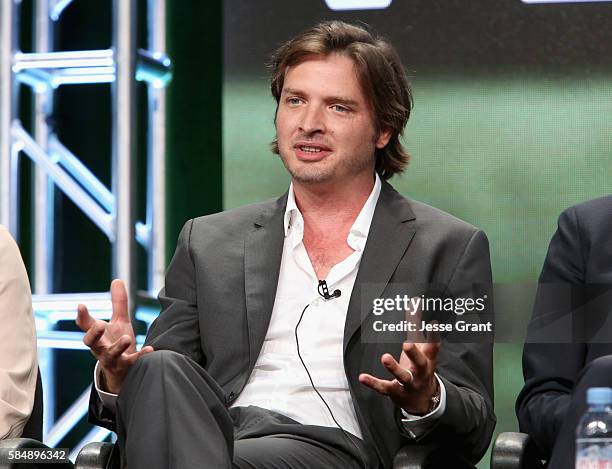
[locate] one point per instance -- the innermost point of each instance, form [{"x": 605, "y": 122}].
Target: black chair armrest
[
  {"x": 25, "y": 443},
  {"x": 19, "y": 443},
  {"x": 34, "y": 426},
  {"x": 513, "y": 450},
  {"x": 98, "y": 455},
  {"x": 428, "y": 457}
]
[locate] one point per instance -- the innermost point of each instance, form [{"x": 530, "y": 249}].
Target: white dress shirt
[{"x": 279, "y": 381}]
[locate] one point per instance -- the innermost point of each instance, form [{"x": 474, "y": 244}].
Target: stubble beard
[{"x": 320, "y": 172}]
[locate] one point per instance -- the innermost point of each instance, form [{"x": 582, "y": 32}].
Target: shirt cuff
[
  {"x": 108, "y": 399},
  {"x": 418, "y": 425}
]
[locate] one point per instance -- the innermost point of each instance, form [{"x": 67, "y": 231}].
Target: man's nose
[{"x": 313, "y": 120}]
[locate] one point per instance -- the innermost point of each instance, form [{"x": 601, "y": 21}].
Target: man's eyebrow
[
  {"x": 292, "y": 91},
  {"x": 342, "y": 100},
  {"x": 329, "y": 99}
]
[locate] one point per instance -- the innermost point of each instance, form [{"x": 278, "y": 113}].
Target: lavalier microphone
[{"x": 324, "y": 291}]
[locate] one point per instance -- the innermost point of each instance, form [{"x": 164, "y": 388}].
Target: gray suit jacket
[{"x": 220, "y": 289}]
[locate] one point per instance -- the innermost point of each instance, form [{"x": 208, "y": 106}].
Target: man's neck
[{"x": 338, "y": 204}]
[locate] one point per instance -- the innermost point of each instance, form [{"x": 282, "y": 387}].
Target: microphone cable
[{"x": 297, "y": 343}]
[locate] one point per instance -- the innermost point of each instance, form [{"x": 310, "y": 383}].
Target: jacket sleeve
[
  {"x": 177, "y": 326},
  {"x": 18, "y": 360},
  {"x": 466, "y": 369},
  {"x": 551, "y": 369}
]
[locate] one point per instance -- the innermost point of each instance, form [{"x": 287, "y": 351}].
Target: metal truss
[{"x": 57, "y": 168}]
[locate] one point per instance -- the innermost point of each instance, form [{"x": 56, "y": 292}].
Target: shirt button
[{"x": 230, "y": 397}]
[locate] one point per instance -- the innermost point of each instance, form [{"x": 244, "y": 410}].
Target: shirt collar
[
  {"x": 292, "y": 212},
  {"x": 358, "y": 233}
]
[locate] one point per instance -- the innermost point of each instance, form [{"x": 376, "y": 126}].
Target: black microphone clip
[{"x": 324, "y": 291}]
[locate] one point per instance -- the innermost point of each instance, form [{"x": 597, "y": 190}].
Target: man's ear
[{"x": 383, "y": 138}]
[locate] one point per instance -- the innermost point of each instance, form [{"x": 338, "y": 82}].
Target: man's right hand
[{"x": 112, "y": 343}]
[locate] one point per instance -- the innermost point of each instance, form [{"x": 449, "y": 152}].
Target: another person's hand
[{"x": 112, "y": 343}]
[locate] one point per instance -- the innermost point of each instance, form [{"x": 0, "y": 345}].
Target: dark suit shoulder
[
  {"x": 596, "y": 207},
  {"x": 591, "y": 224},
  {"x": 581, "y": 248},
  {"x": 591, "y": 217},
  {"x": 433, "y": 217},
  {"x": 240, "y": 218},
  {"x": 444, "y": 237},
  {"x": 425, "y": 216},
  {"x": 438, "y": 232},
  {"x": 589, "y": 221}
]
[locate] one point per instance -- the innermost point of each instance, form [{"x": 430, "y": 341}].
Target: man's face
[{"x": 324, "y": 125}]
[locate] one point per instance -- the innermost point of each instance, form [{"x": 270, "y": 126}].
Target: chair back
[{"x": 34, "y": 427}]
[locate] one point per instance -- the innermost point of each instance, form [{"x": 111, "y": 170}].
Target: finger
[
  {"x": 131, "y": 358},
  {"x": 431, "y": 344},
  {"x": 418, "y": 358},
  {"x": 94, "y": 334},
  {"x": 430, "y": 350},
  {"x": 119, "y": 299},
  {"x": 118, "y": 347},
  {"x": 381, "y": 386},
  {"x": 413, "y": 315},
  {"x": 434, "y": 335},
  {"x": 400, "y": 373},
  {"x": 84, "y": 320}
]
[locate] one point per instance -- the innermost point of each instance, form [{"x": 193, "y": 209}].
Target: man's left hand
[{"x": 415, "y": 383}]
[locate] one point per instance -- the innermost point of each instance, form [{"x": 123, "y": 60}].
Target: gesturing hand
[
  {"x": 415, "y": 384},
  {"x": 113, "y": 343}
]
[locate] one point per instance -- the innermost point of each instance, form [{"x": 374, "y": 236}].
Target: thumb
[
  {"x": 119, "y": 300},
  {"x": 146, "y": 349},
  {"x": 142, "y": 352},
  {"x": 84, "y": 319}
]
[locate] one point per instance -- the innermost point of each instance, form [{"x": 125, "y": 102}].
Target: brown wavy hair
[{"x": 380, "y": 73}]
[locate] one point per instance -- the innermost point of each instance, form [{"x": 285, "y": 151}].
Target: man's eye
[
  {"x": 338, "y": 108},
  {"x": 294, "y": 101}
]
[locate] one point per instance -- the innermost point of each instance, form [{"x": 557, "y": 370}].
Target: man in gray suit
[{"x": 259, "y": 358}]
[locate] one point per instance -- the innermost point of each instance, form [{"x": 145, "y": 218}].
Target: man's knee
[
  {"x": 598, "y": 372},
  {"x": 158, "y": 359},
  {"x": 270, "y": 451},
  {"x": 156, "y": 365},
  {"x": 153, "y": 372}
]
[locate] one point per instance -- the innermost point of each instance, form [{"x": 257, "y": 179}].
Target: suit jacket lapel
[
  {"x": 389, "y": 236},
  {"x": 263, "y": 251}
]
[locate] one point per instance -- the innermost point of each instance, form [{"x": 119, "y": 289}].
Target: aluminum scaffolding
[{"x": 57, "y": 168}]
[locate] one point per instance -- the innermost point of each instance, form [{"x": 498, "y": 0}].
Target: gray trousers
[{"x": 172, "y": 415}]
